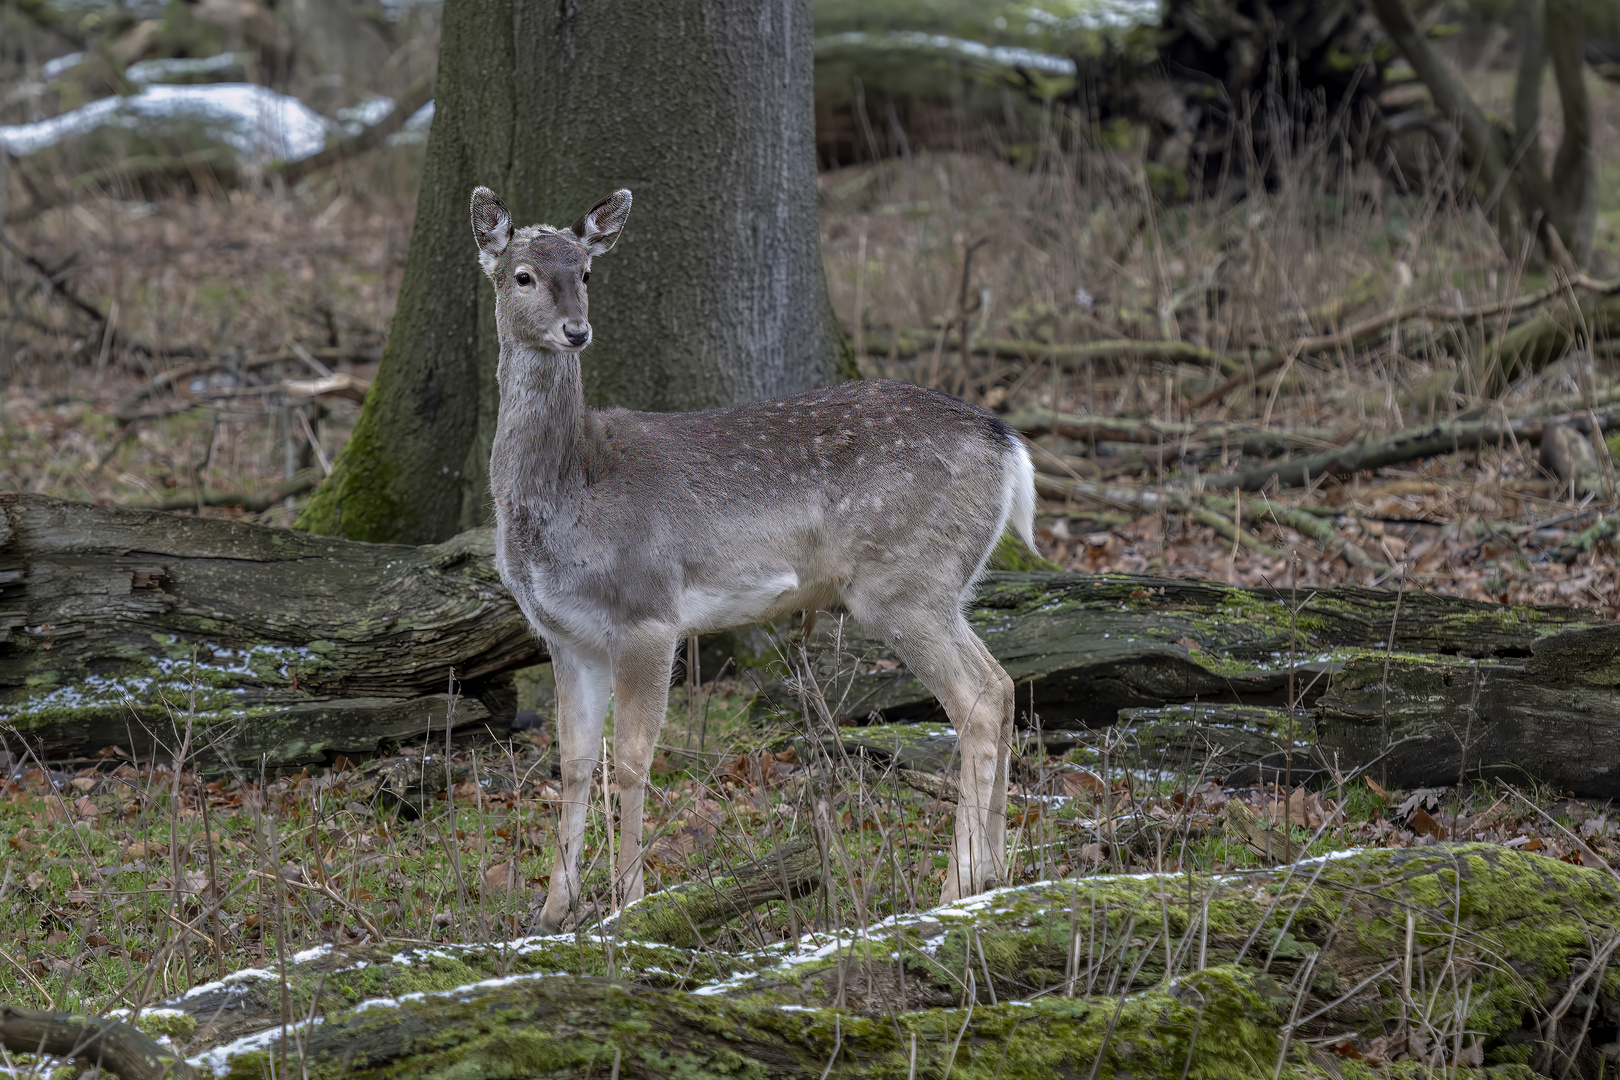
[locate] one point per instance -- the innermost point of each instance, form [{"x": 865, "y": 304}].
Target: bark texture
[
  {"x": 1463, "y": 955},
  {"x": 121, "y": 626},
  {"x": 118, "y": 626},
  {"x": 714, "y": 296},
  {"x": 1473, "y": 689}
]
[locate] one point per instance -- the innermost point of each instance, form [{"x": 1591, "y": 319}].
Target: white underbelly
[{"x": 752, "y": 598}]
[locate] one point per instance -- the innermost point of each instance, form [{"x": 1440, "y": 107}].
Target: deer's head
[{"x": 540, "y": 273}]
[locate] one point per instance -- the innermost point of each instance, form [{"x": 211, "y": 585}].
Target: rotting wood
[
  {"x": 92, "y": 1041},
  {"x": 1240, "y": 957},
  {"x": 1358, "y": 333},
  {"x": 1082, "y": 648},
  {"x": 1409, "y": 445},
  {"x": 294, "y": 648},
  {"x": 684, "y": 914},
  {"x": 280, "y": 646}
]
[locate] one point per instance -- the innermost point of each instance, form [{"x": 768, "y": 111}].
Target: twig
[
  {"x": 107, "y": 1044},
  {"x": 906, "y": 343},
  {"x": 254, "y": 502},
  {"x": 53, "y": 279}
]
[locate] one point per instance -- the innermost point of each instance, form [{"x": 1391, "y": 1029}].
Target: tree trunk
[
  {"x": 1562, "y": 207},
  {"x": 715, "y": 295},
  {"x": 1454, "y": 954}
]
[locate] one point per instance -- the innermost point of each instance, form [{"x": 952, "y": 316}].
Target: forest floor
[{"x": 128, "y": 882}]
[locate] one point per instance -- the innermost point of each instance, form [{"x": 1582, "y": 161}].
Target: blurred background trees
[{"x": 231, "y": 221}]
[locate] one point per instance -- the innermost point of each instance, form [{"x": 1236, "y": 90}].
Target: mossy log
[
  {"x": 1474, "y": 688},
  {"x": 1468, "y": 955},
  {"x": 117, "y": 626}
]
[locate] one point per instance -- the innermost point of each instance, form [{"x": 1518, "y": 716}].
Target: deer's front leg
[
  {"x": 582, "y": 692},
  {"x": 640, "y": 696}
]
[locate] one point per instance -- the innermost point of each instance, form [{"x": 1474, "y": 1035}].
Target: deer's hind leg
[
  {"x": 996, "y": 820},
  {"x": 641, "y": 670},
  {"x": 583, "y": 681},
  {"x": 940, "y": 648}
]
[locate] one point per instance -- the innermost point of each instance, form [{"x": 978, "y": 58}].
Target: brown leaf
[
  {"x": 35, "y": 881},
  {"x": 86, "y": 807},
  {"x": 502, "y": 876},
  {"x": 1375, "y": 788},
  {"x": 144, "y": 849},
  {"x": 1424, "y": 825},
  {"x": 1082, "y": 784}
]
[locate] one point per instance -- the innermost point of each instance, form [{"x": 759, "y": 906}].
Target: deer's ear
[
  {"x": 492, "y": 226},
  {"x": 600, "y": 226}
]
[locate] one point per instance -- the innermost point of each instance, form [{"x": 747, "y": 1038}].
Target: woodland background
[{"x": 1286, "y": 296}]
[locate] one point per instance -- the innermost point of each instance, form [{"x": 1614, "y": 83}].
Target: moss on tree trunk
[{"x": 716, "y": 293}]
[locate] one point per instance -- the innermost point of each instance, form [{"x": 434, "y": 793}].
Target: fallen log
[
  {"x": 1526, "y": 344},
  {"x": 1473, "y": 689},
  {"x": 1445, "y": 438},
  {"x": 1465, "y": 954},
  {"x": 123, "y": 626},
  {"x": 682, "y": 915},
  {"x": 120, "y": 627}
]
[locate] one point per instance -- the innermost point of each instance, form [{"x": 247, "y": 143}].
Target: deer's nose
[{"x": 577, "y": 337}]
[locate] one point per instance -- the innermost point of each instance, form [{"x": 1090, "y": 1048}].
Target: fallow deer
[{"x": 620, "y": 533}]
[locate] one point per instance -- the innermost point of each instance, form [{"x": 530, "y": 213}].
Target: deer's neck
[{"x": 536, "y": 462}]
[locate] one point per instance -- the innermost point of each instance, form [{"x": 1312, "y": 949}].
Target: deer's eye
[
  {"x": 523, "y": 278},
  {"x": 586, "y": 279}
]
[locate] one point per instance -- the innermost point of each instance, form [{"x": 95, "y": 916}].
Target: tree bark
[
  {"x": 1146, "y": 975},
  {"x": 102, "y": 1044},
  {"x": 118, "y": 626},
  {"x": 716, "y": 294},
  {"x": 124, "y": 626},
  {"x": 1473, "y": 688},
  {"x": 1561, "y": 208}
]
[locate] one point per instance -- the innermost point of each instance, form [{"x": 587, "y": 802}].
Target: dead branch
[
  {"x": 418, "y": 94},
  {"x": 1246, "y": 438},
  {"x": 53, "y": 279},
  {"x": 253, "y": 502},
  {"x": 907, "y": 342},
  {"x": 46, "y": 14},
  {"x": 1409, "y": 445},
  {"x": 334, "y": 383},
  {"x": 1356, "y": 334},
  {"x": 96, "y": 1042}
]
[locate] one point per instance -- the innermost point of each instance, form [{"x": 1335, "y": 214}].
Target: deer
[{"x": 621, "y": 533}]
